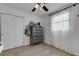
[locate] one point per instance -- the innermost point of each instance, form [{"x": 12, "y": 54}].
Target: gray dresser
[{"x": 36, "y": 34}]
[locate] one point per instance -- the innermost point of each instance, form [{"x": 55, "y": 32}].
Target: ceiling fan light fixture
[
  {"x": 33, "y": 9},
  {"x": 36, "y": 6},
  {"x": 45, "y": 8},
  {"x": 40, "y": 6}
]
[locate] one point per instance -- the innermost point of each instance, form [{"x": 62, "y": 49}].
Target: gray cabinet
[{"x": 36, "y": 34}]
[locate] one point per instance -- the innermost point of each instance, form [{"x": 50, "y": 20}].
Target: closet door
[
  {"x": 8, "y": 31},
  {"x": 11, "y": 31},
  {"x": 19, "y": 31}
]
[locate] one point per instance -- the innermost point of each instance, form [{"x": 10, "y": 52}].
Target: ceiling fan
[{"x": 40, "y": 6}]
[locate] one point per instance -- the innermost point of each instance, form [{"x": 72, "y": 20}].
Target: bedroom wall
[
  {"x": 68, "y": 41},
  {"x": 46, "y": 24},
  {"x": 75, "y": 30}
]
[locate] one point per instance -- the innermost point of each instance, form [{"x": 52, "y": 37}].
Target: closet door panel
[
  {"x": 19, "y": 31},
  {"x": 8, "y": 31}
]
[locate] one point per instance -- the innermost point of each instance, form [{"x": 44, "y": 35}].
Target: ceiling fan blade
[
  {"x": 45, "y": 8},
  {"x": 33, "y": 9}
]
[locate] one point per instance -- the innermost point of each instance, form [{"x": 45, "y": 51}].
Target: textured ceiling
[{"x": 27, "y": 7}]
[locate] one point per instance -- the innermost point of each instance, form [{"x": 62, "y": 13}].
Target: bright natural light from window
[{"x": 60, "y": 22}]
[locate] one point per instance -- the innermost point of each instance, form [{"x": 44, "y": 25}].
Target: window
[{"x": 60, "y": 22}]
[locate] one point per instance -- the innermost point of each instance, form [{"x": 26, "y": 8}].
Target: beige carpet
[{"x": 34, "y": 50}]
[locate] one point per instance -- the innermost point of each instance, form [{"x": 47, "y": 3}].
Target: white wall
[
  {"x": 68, "y": 41},
  {"x": 75, "y": 29},
  {"x": 46, "y": 24},
  {"x": 27, "y": 17}
]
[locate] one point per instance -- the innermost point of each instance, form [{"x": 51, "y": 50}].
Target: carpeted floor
[{"x": 35, "y": 50}]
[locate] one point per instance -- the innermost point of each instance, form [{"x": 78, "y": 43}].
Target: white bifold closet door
[
  {"x": 19, "y": 31},
  {"x": 11, "y": 31}
]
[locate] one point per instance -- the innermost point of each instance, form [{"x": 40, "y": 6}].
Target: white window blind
[{"x": 60, "y": 22}]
